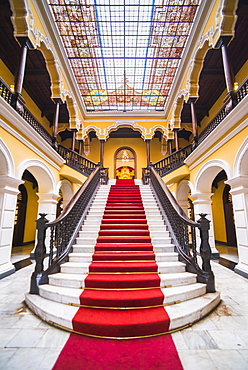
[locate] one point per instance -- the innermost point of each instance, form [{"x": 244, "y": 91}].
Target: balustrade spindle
[{"x": 182, "y": 231}]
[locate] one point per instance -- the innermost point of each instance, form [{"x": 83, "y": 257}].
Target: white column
[
  {"x": 203, "y": 204},
  {"x": 47, "y": 204},
  {"x": 239, "y": 192},
  {"x": 8, "y": 196}
]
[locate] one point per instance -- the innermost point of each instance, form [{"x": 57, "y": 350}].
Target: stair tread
[
  {"x": 123, "y": 284},
  {"x": 181, "y": 313},
  {"x": 74, "y": 292}
]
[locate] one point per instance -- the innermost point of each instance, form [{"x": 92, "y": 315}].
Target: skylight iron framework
[{"x": 124, "y": 53}]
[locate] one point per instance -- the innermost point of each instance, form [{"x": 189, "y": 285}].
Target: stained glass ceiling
[{"x": 124, "y": 53}]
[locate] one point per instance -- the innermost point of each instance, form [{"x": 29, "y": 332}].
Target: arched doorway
[
  {"x": 125, "y": 163},
  {"x": 20, "y": 217},
  {"x": 229, "y": 217},
  {"x": 26, "y": 211},
  {"x": 223, "y": 216}
]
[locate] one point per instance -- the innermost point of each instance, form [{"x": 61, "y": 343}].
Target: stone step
[
  {"x": 78, "y": 280},
  {"x": 87, "y": 257},
  {"x": 128, "y": 267},
  {"x": 181, "y": 314},
  {"x": 171, "y": 295}
]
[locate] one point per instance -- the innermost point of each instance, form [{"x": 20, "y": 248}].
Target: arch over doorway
[{"x": 125, "y": 163}]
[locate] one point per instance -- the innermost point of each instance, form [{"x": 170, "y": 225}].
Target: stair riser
[
  {"x": 88, "y": 259},
  {"x": 119, "y": 269},
  {"x": 78, "y": 281}
]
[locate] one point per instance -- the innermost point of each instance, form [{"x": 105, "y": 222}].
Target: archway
[
  {"x": 205, "y": 203},
  {"x": 125, "y": 163},
  {"x": 44, "y": 196},
  {"x": 223, "y": 218},
  {"x": 26, "y": 212},
  {"x": 8, "y": 194}
]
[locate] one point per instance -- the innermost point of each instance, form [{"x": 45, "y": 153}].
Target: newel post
[
  {"x": 39, "y": 253},
  {"x": 205, "y": 251}
]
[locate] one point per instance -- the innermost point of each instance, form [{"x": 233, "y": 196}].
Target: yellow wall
[
  {"x": 226, "y": 152},
  {"x": 8, "y": 77},
  {"x": 138, "y": 145},
  {"x": 218, "y": 213},
  {"x": 31, "y": 212}
]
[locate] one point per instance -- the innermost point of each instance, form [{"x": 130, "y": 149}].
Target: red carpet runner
[{"x": 122, "y": 298}]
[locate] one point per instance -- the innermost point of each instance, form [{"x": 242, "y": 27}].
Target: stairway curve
[{"x": 123, "y": 278}]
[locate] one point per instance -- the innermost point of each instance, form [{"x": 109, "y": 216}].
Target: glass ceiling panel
[{"x": 124, "y": 53}]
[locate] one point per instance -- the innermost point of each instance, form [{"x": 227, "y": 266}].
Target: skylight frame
[{"x": 118, "y": 78}]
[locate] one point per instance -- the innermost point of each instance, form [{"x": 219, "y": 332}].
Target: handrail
[
  {"x": 24, "y": 112},
  {"x": 172, "y": 161},
  {"x": 76, "y": 161},
  {"x": 183, "y": 232},
  {"x": 73, "y": 159},
  {"x": 240, "y": 94},
  {"x": 63, "y": 231}
]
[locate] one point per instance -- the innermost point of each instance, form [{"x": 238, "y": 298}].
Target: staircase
[{"x": 123, "y": 278}]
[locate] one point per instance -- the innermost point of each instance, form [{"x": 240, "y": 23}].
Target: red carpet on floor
[
  {"x": 122, "y": 298},
  {"x": 85, "y": 353}
]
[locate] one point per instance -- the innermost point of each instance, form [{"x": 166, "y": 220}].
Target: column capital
[
  {"x": 47, "y": 197},
  {"x": 10, "y": 185},
  {"x": 203, "y": 198},
  {"x": 238, "y": 184}
]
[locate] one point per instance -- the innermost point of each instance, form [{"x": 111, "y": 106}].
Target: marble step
[
  {"x": 85, "y": 248},
  {"x": 87, "y": 257},
  {"x": 78, "y": 280},
  {"x": 171, "y": 295},
  {"x": 181, "y": 314},
  {"x": 83, "y": 268}
]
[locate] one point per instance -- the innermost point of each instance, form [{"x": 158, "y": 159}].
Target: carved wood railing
[
  {"x": 183, "y": 232},
  {"x": 25, "y": 113},
  {"x": 76, "y": 161},
  {"x": 223, "y": 112},
  {"x": 73, "y": 159},
  {"x": 173, "y": 161},
  {"x": 63, "y": 231}
]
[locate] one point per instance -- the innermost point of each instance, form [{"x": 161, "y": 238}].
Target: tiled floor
[{"x": 219, "y": 341}]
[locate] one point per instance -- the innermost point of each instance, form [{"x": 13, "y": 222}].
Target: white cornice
[
  {"x": 51, "y": 156},
  {"x": 120, "y": 114},
  {"x": 198, "y": 156}
]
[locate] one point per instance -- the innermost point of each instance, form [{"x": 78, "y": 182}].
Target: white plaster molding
[
  {"x": 47, "y": 198},
  {"x": 242, "y": 152},
  {"x": 41, "y": 170},
  {"x": 238, "y": 184},
  {"x": 21, "y": 125},
  {"x": 207, "y": 173},
  {"x": 198, "y": 156},
  {"x": 9, "y": 185},
  {"x": 181, "y": 193},
  {"x": 9, "y": 161}
]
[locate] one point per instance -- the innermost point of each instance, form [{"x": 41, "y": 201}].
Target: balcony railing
[
  {"x": 173, "y": 161},
  {"x": 223, "y": 112},
  {"x": 176, "y": 160},
  {"x": 72, "y": 159},
  {"x": 6, "y": 93},
  {"x": 76, "y": 161}
]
